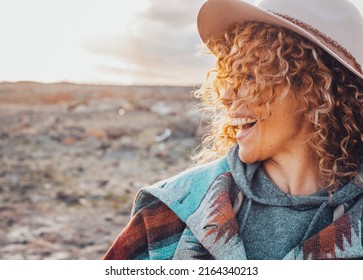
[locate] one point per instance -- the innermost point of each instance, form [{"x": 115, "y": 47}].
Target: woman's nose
[{"x": 228, "y": 96}]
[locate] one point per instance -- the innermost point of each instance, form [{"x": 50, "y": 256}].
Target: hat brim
[{"x": 216, "y": 17}]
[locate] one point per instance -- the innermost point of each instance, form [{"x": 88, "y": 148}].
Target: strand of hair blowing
[{"x": 332, "y": 96}]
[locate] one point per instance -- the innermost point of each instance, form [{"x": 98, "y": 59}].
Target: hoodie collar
[{"x": 255, "y": 184}]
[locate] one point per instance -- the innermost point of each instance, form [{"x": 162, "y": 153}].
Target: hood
[{"x": 255, "y": 185}]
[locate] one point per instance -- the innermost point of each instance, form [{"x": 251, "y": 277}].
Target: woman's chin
[{"x": 246, "y": 157}]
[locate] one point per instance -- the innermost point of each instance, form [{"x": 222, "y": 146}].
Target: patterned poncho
[{"x": 193, "y": 216}]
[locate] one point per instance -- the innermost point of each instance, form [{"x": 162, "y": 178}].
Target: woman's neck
[{"x": 296, "y": 175}]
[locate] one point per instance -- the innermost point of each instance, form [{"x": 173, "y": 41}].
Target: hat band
[{"x": 324, "y": 37}]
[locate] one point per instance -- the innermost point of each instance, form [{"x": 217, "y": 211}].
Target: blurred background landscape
[
  {"x": 95, "y": 103},
  {"x": 74, "y": 156}
]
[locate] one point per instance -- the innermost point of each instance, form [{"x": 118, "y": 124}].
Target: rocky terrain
[{"x": 73, "y": 157}]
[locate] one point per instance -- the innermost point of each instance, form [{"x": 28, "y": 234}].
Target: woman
[{"x": 285, "y": 152}]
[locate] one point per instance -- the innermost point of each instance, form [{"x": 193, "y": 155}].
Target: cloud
[
  {"x": 177, "y": 13},
  {"x": 160, "y": 46}
]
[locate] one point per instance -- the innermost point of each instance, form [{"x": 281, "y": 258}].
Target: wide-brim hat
[{"x": 336, "y": 26}]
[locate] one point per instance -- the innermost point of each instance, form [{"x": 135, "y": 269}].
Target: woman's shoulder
[{"x": 183, "y": 192}]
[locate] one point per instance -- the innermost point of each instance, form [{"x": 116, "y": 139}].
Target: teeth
[{"x": 243, "y": 121}]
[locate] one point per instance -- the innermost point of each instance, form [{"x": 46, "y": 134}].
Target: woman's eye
[{"x": 249, "y": 77}]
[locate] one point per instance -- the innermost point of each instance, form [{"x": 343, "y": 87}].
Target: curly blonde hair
[{"x": 332, "y": 96}]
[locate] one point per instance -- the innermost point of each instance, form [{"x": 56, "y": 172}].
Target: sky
[{"x": 120, "y": 42}]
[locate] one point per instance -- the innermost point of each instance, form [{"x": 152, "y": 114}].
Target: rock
[
  {"x": 68, "y": 140},
  {"x": 51, "y": 237},
  {"x": 136, "y": 184},
  {"x": 114, "y": 133},
  {"x": 183, "y": 128},
  {"x": 69, "y": 135},
  {"x": 163, "y": 136},
  {"x": 19, "y": 234},
  {"x": 97, "y": 133},
  {"x": 59, "y": 256},
  {"x": 78, "y": 107},
  {"x": 103, "y": 146},
  {"x": 69, "y": 199},
  {"x": 161, "y": 108},
  {"x": 127, "y": 142},
  {"x": 105, "y": 106},
  {"x": 147, "y": 137}
]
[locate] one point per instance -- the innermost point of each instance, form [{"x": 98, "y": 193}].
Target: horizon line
[{"x": 2, "y": 82}]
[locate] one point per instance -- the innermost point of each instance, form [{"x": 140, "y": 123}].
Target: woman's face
[{"x": 273, "y": 133}]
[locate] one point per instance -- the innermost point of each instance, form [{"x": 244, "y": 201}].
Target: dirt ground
[{"x": 74, "y": 156}]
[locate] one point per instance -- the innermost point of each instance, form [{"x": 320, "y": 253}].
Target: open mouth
[{"x": 243, "y": 123}]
